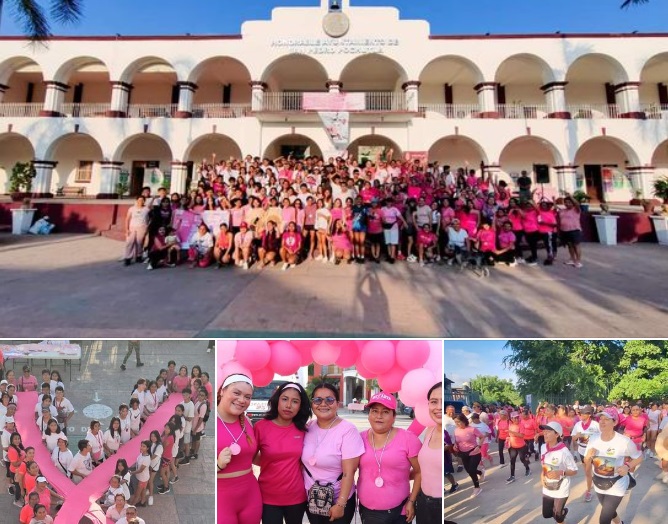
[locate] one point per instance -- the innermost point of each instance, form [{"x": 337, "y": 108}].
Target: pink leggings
[
  {"x": 484, "y": 451},
  {"x": 239, "y": 500}
]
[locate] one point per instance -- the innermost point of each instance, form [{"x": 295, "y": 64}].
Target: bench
[{"x": 71, "y": 191}]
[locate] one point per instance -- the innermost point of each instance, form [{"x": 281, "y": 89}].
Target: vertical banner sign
[{"x": 337, "y": 125}]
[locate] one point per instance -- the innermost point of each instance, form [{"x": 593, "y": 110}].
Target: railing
[
  {"x": 84, "y": 110},
  {"x": 523, "y": 112},
  {"x": 371, "y": 102},
  {"x": 221, "y": 110},
  {"x": 451, "y": 110},
  {"x": 152, "y": 110},
  {"x": 655, "y": 111},
  {"x": 589, "y": 111},
  {"x": 20, "y": 110}
]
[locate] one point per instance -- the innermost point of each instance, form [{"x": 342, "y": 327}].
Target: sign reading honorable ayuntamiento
[{"x": 331, "y": 46}]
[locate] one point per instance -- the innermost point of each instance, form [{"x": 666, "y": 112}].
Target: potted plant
[
  {"x": 122, "y": 188},
  {"x": 660, "y": 221},
  {"x": 20, "y": 180},
  {"x": 637, "y": 198},
  {"x": 661, "y": 189},
  {"x": 583, "y": 199}
]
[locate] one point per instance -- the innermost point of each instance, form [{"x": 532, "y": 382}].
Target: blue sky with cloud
[{"x": 464, "y": 359}]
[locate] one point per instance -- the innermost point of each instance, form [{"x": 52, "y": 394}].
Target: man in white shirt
[
  {"x": 82, "y": 463},
  {"x": 130, "y": 514},
  {"x": 188, "y": 414},
  {"x": 64, "y": 408},
  {"x": 458, "y": 240}
]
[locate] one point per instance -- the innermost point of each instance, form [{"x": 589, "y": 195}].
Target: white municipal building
[{"x": 593, "y": 108}]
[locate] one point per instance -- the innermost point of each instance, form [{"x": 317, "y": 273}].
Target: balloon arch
[{"x": 407, "y": 367}]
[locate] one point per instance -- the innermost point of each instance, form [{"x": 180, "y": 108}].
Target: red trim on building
[
  {"x": 564, "y": 115},
  {"x": 638, "y": 115}
]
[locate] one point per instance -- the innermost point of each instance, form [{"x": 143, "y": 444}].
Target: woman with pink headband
[{"x": 239, "y": 499}]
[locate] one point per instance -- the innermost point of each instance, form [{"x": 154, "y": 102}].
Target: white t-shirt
[
  {"x": 125, "y": 429},
  {"x": 178, "y": 435},
  {"x": 135, "y": 419},
  {"x": 143, "y": 460},
  {"x": 52, "y": 441},
  {"x": 82, "y": 465},
  {"x": 113, "y": 443},
  {"x": 115, "y": 515},
  {"x": 557, "y": 460},
  {"x": 62, "y": 460},
  {"x": 96, "y": 442},
  {"x": 125, "y": 521},
  {"x": 457, "y": 238},
  {"x": 663, "y": 424},
  {"x": 484, "y": 429},
  {"x": 54, "y": 384},
  {"x": 140, "y": 396},
  {"x": 188, "y": 412},
  {"x": 322, "y": 218},
  {"x": 151, "y": 402},
  {"x": 156, "y": 453},
  {"x": 52, "y": 410},
  {"x": 591, "y": 431},
  {"x": 110, "y": 495},
  {"x": 63, "y": 407},
  {"x": 609, "y": 455}
]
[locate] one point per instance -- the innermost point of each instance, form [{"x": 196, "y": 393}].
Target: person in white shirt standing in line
[
  {"x": 557, "y": 466},
  {"x": 584, "y": 429},
  {"x": 188, "y": 414}
]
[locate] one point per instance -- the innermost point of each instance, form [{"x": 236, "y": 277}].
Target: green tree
[
  {"x": 643, "y": 371},
  {"x": 495, "y": 389},
  {"x": 33, "y": 18}
]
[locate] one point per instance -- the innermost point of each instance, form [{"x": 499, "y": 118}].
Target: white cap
[
  {"x": 554, "y": 426},
  {"x": 9, "y": 420},
  {"x": 3, "y": 382},
  {"x": 41, "y": 479}
]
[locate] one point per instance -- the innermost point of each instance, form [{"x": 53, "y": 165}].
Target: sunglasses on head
[{"x": 327, "y": 400}]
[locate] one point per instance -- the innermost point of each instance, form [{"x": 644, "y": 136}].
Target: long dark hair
[
  {"x": 111, "y": 426},
  {"x": 123, "y": 463},
  {"x": 48, "y": 431},
  {"x": 304, "y": 413}
]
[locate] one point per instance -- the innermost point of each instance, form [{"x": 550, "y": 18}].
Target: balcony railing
[
  {"x": 367, "y": 102},
  {"x": 452, "y": 110},
  {"x": 152, "y": 110},
  {"x": 655, "y": 111},
  {"x": 20, "y": 110},
  {"x": 84, "y": 110},
  {"x": 524, "y": 112},
  {"x": 221, "y": 110},
  {"x": 594, "y": 111}
]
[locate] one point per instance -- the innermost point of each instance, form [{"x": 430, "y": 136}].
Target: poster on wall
[
  {"x": 337, "y": 126},
  {"x": 606, "y": 175},
  {"x": 618, "y": 180}
]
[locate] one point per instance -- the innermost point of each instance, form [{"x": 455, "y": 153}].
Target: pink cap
[
  {"x": 514, "y": 414},
  {"x": 243, "y": 224},
  {"x": 611, "y": 413},
  {"x": 384, "y": 400}
]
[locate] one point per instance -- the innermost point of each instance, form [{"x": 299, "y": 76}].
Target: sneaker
[
  {"x": 460, "y": 469},
  {"x": 332, "y": 259},
  {"x": 578, "y": 265},
  {"x": 324, "y": 260},
  {"x": 391, "y": 260},
  {"x": 453, "y": 488},
  {"x": 123, "y": 367},
  {"x": 174, "y": 480},
  {"x": 184, "y": 462},
  {"x": 400, "y": 256},
  {"x": 319, "y": 257},
  {"x": 520, "y": 260},
  {"x": 451, "y": 262},
  {"x": 531, "y": 262},
  {"x": 665, "y": 478},
  {"x": 503, "y": 465},
  {"x": 10, "y": 490},
  {"x": 127, "y": 262},
  {"x": 512, "y": 264},
  {"x": 245, "y": 265},
  {"x": 163, "y": 491},
  {"x": 150, "y": 500},
  {"x": 527, "y": 473},
  {"x": 18, "y": 503},
  {"x": 588, "y": 496},
  {"x": 292, "y": 266},
  {"x": 362, "y": 260},
  {"x": 139, "y": 260},
  {"x": 510, "y": 480},
  {"x": 140, "y": 364},
  {"x": 411, "y": 259},
  {"x": 476, "y": 492},
  {"x": 149, "y": 267},
  {"x": 482, "y": 474},
  {"x": 193, "y": 456},
  {"x": 422, "y": 264},
  {"x": 548, "y": 262},
  {"x": 569, "y": 263},
  {"x": 285, "y": 266}
]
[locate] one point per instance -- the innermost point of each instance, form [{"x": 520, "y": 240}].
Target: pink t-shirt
[
  {"x": 244, "y": 460},
  {"x": 394, "y": 470},
  {"x": 487, "y": 239},
  {"x": 425, "y": 238},
  {"x": 289, "y": 214},
  {"x": 236, "y": 216},
  {"x": 530, "y": 221},
  {"x": 292, "y": 241},
  {"x": 329, "y": 448},
  {"x": 281, "y": 481},
  {"x": 633, "y": 427},
  {"x": 390, "y": 215},
  {"x": 569, "y": 220},
  {"x": 374, "y": 224},
  {"x": 27, "y": 384},
  {"x": 516, "y": 220},
  {"x": 547, "y": 221},
  {"x": 506, "y": 238},
  {"x": 467, "y": 439},
  {"x": 447, "y": 214},
  {"x": 430, "y": 461},
  {"x": 341, "y": 241},
  {"x": 180, "y": 383}
]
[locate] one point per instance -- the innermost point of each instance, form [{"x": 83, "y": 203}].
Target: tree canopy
[
  {"x": 35, "y": 18},
  {"x": 629, "y": 3},
  {"x": 495, "y": 389}
]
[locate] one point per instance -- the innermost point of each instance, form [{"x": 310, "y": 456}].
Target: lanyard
[{"x": 379, "y": 479}]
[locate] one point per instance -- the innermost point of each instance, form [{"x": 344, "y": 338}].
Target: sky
[
  {"x": 153, "y": 17},
  {"x": 464, "y": 359}
]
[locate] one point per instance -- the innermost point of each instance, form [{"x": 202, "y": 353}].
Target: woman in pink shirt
[
  {"x": 341, "y": 243},
  {"x": 547, "y": 227},
  {"x": 635, "y": 426},
  {"x": 280, "y": 439},
  {"x": 291, "y": 244},
  {"x": 517, "y": 446},
  {"x": 570, "y": 229},
  {"x": 385, "y": 495},
  {"x": 181, "y": 381},
  {"x": 530, "y": 225},
  {"x": 467, "y": 445},
  {"x": 27, "y": 382}
]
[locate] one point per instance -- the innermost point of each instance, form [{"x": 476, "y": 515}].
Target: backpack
[{"x": 205, "y": 418}]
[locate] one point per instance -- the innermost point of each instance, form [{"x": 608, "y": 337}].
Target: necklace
[
  {"x": 235, "y": 448},
  {"x": 379, "y": 479},
  {"x": 313, "y": 460}
]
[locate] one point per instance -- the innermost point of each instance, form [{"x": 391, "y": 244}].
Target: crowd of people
[
  {"x": 132, "y": 486},
  {"x": 289, "y": 211},
  {"x": 312, "y": 461},
  {"x": 609, "y": 440}
]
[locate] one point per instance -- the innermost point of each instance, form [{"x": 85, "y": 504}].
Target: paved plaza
[
  {"x": 76, "y": 284},
  {"x": 101, "y": 381},
  {"x": 520, "y": 502}
]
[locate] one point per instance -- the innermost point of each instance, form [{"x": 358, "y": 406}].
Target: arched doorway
[
  {"x": 447, "y": 86},
  {"x": 298, "y": 146},
  {"x": 221, "y": 80},
  {"x": 90, "y": 89},
  {"x": 519, "y": 80},
  {"x": 25, "y": 82},
  {"x": 602, "y": 168},
  {"x": 155, "y": 92},
  {"x": 146, "y": 161},
  {"x": 78, "y": 157},
  {"x": 458, "y": 151},
  {"x": 537, "y": 157},
  {"x": 660, "y": 160},
  {"x": 590, "y": 91},
  {"x": 368, "y": 147},
  {"x": 288, "y": 77},
  {"x": 653, "y": 89},
  {"x": 13, "y": 148}
]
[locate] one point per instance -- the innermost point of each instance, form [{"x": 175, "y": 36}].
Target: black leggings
[
  {"x": 541, "y": 441},
  {"x": 348, "y": 514},
  {"x": 532, "y": 240},
  {"x": 276, "y": 514},
  {"x": 551, "y": 244},
  {"x": 609, "y": 504},
  {"x": 530, "y": 448},
  {"x": 502, "y": 445},
  {"x": 554, "y": 508},
  {"x": 471, "y": 463},
  {"x": 524, "y": 459},
  {"x": 386, "y": 516},
  {"x": 428, "y": 510}
]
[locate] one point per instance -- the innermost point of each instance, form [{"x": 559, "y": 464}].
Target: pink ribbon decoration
[{"x": 80, "y": 499}]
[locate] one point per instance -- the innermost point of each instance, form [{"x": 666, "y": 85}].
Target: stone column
[
  {"x": 41, "y": 184},
  {"x": 53, "y": 100},
  {"x": 555, "y": 99},
  {"x": 487, "y": 99},
  {"x": 628, "y": 99},
  {"x": 257, "y": 95},
  {"x": 179, "y": 176},
  {"x": 110, "y": 176},
  {"x": 642, "y": 178},
  {"x": 186, "y": 95},
  {"x": 120, "y": 97},
  {"x": 334, "y": 86},
  {"x": 566, "y": 178},
  {"x": 411, "y": 89}
]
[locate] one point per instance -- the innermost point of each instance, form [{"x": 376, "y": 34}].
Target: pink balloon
[
  {"x": 378, "y": 356},
  {"x": 422, "y": 414},
  {"x": 412, "y": 354},
  {"x": 435, "y": 361},
  {"x": 285, "y": 358},
  {"x": 225, "y": 350},
  {"x": 362, "y": 371},
  {"x": 262, "y": 377},
  {"x": 348, "y": 353},
  {"x": 232, "y": 368},
  {"x": 253, "y": 354},
  {"x": 415, "y": 385},
  {"x": 391, "y": 381},
  {"x": 416, "y": 428},
  {"x": 325, "y": 353},
  {"x": 304, "y": 347}
]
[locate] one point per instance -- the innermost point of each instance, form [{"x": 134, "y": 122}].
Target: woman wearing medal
[
  {"x": 384, "y": 489},
  {"x": 332, "y": 450},
  {"x": 239, "y": 500}
]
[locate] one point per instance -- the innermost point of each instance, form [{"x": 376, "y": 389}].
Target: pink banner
[
  {"x": 80, "y": 498},
  {"x": 186, "y": 223},
  {"x": 333, "y": 102}
]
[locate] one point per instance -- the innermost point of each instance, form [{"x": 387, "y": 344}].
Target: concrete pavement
[
  {"x": 520, "y": 502},
  {"x": 621, "y": 291}
]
